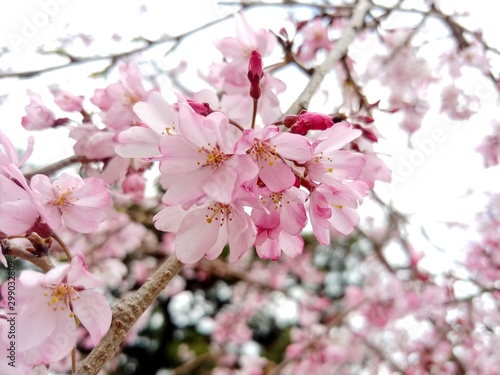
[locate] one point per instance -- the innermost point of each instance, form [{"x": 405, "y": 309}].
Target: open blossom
[
  {"x": 247, "y": 40},
  {"x": 270, "y": 148},
  {"x": 206, "y": 228},
  {"x": 201, "y": 161},
  {"x": 117, "y": 100},
  {"x": 332, "y": 208},
  {"x": 66, "y": 101},
  {"x": 75, "y": 201},
  {"x": 159, "y": 118},
  {"x": 38, "y": 116},
  {"x": 48, "y": 306},
  {"x": 315, "y": 34},
  {"x": 279, "y": 223},
  {"x": 329, "y": 162}
]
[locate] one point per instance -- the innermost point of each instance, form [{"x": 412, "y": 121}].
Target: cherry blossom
[
  {"x": 117, "y": 100},
  {"x": 49, "y": 305},
  {"x": 38, "y": 116},
  {"x": 72, "y": 200}
]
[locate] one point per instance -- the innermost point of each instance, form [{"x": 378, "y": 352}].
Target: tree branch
[
  {"x": 337, "y": 52},
  {"x": 126, "y": 313}
]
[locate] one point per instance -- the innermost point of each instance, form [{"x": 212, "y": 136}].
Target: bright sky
[{"x": 432, "y": 189}]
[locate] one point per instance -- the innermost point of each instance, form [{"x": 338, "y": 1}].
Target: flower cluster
[{"x": 246, "y": 186}]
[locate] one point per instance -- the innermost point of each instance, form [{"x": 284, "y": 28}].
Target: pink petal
[
  {"x": 169, "y": 219},
  {"x": 79, "y": 275},
  {"x": 83, "y": 219},
  {"x": 93, "y": 193},
  {"x": 181, "y": 155},
  {"x": 192, "y": 127},
  {"x": 241, "y": 232},
  {"x": 344, "y": 220},
  {"x": 36, "y": 322},
  {"x": 276, "y": 175},
  {"x": 269, "y": 249},
  {"x": 93, "y": 310},
  {"x": 17, "y": 217},
  {"x": 292, "y": 146},
  {"x": 335, "y": 137},
  {"x": 62, "y": 340},
  {"x": 188, "y": 187},
  {"x": 346, "y": 165},
  {"x": 221, "y": 184},
  {"x": 291, "y": 245},
  {"x": 10, "y": 191},
  {"x": 156, "y": 113},
  {"x": 138, "y": 142},
  {"x": 195, "y": 236}
]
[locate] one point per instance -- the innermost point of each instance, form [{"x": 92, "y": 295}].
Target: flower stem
[
  {"x": 59, "y": 240},
  {"x": 234, "y": 123},
  {"x": 254, "y": 114}
]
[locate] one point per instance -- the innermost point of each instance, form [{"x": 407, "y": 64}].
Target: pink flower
[
  {"x": 315, "y": 34},
  {"x": 92, "y": 142},
  {"x": 272, "y": 150},
  {"x": 332, "y": 207},
  {"x": 160, "y": 119},
  {"x": 246, "y": 41},
  {"x": 48, "y": 306},
  {"x": 66, "y": 101},
  {"x": 279, "y": 223},
  {"x": 77, "y": 202},
  {"x": 117, "y": 100},
  {"x": 329, "y": 163},
  {"x": 205, "y": 229},
  {"x": 200, "y": 159},
  {"x": 37, "y": 116}
]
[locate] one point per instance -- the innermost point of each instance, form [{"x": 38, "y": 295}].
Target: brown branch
[
  {"x": 58, "y": 165},
  {"x": 193, "y": 364},
  {"x": 43, "y": 262},
  {"x": 126, "y": 313},
  {"x": 114, "y": 58}
]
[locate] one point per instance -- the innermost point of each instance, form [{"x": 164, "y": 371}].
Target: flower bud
[
  {"x": 311, "y": 121},
  {"x": 255, "y": 74},
  {"x": 200, "y": 108}
]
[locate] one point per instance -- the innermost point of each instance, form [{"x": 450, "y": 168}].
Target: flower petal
[{"x": 93, "y": 310}]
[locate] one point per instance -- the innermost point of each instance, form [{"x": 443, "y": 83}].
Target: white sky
[{"x": 432, "y": 191}]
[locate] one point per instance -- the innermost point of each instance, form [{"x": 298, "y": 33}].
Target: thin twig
[{"x": 337, "y": 52}]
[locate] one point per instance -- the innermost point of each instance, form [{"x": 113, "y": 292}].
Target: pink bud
[
  {"x": 311, "y": 121},
  {"x": 290, "y": 120},
  {"x": 255, "y": 74},
  {"x": 367, "y": 133},
  {"x": 200, "y": 108}
]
